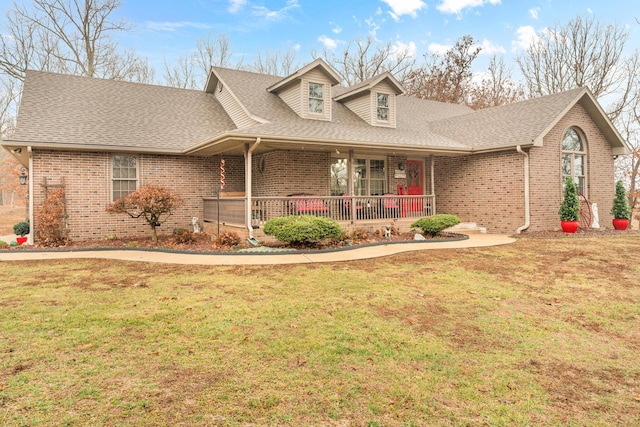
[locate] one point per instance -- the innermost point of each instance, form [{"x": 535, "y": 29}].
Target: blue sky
[{"x": 168, "y": 29}]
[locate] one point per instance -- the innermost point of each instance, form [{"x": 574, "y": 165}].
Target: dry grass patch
[{"x": 541, "y": 332}]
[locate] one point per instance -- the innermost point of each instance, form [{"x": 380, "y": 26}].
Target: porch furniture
[{"x": 307, "y": 204}]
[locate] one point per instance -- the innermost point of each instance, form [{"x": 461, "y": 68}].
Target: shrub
[
  {"x": 620, "y": 208},
  {"x": 433, "y": 225},
  {"x": 302, "y": 229},
  {"x": 570, "y": 207},
  {"x": 50, "y": 225},
  {"x": 154, "y": 204},
  {"x": 21, "y": 228},
  {"x": 182, "y": 236},
  {"x": 228, "y": 239}
]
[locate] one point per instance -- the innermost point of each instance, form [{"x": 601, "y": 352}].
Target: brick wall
[
  {"x": 546, "y": 187},
  {"x": 87, "y": 185},
  {"x": 290, "y": 172},
  {"x": 489, "y": 188}
]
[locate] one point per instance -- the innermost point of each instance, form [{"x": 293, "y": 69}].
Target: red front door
[{"x": 415, "y": 178}]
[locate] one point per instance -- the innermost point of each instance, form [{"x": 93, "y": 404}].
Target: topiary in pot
[
  {"x": 21, "y": 229},
  {"x": 570, "y": 208},
  {"x": 620, "y": 209}
]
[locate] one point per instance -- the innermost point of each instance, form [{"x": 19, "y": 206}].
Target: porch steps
[{"x": 467, "y": 228}]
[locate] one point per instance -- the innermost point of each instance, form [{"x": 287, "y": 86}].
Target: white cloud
[
  {"x": 404, "y": 7},
  {"x": 337, "y": 29},
  {"x": 328, "y": 42},
  {"x": 534, "y": 11},
  {"x": 489, "y": 48},
  {"x": 438, "y": 48},
  {"x": 175, "y": 26},
  {"x": 399, "y": 49},
  {"x": 525, "y": 36},
  {"x": 274, "y": 15},
  {"x": 456, "y": 6},
  {"x": 236, "y": 5}
]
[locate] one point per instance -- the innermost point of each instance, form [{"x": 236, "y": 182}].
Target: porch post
[
  {"x": 433, "y": 184},
  {"x": 351, "y": 187},
  {"x": 248, "y": 156}
]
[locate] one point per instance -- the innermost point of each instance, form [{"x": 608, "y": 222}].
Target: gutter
[
  {"x": 248, "y": 185},
  {"x": 527, "y": 207}
]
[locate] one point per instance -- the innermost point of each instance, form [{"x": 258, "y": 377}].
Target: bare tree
[
  {"x": 192, "y": 70},
  {"x": 72, "y": 36},
  {"x": 277, "y": 63},
  {"x": 584, "y": 52},
  {"x": 363, "y": 59},
  {"x": 447, "y": 77},
  {"x": 182, "y": 74},
  {"x": 496, "y": 87}
]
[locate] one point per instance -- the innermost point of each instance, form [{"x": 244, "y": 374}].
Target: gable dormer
[
  {"x": 308, "y": 90},
  {"x": 374, "y": 100}
]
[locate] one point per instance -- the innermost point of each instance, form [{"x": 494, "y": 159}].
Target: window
[
  {"x": 383, "y": 107},
  {"x": 339, "y": 177},
  {"x": 124, "y": 175},
  {"x": 316, "y": 98},
  {"x": 574, "y": 159},
  {"x": 369, "y": 177}
]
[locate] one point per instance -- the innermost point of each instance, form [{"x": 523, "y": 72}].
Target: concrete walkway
[{"x": 365, "y": 252}]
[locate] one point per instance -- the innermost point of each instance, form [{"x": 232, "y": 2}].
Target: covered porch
[
  {"x": 356, "y": 186},
  {"x": 231, "y": 209}
]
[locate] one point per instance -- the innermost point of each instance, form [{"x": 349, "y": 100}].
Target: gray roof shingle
[{"x": 67, "y": 109}]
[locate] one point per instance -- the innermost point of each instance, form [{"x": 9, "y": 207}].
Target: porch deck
[{"x": 349, "y": 209}]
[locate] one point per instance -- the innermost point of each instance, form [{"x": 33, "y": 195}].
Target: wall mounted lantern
[{"x": 23, "y": 176}]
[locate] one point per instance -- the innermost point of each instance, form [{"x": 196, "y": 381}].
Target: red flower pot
[
  {"x": 620, "y": 224},
  {"x": 21, "y": 240},
  {"x": 569, "y": 226}
]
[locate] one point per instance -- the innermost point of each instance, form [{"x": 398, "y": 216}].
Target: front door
[{"x": 415, "y": 178}]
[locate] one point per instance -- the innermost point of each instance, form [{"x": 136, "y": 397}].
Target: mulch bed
[{"x": 581, "y": 233}]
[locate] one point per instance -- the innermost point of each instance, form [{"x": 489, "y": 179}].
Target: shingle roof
[
  {"x": 411, "y": 127},
  {"x": 513, "y": 124},
  {"x": 94, "y": 113},
  {"x": 66, "y": 109}
]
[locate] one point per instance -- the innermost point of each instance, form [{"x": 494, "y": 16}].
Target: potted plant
[
  {"x": 21, "y": 229},
  {"x": 570, "y": 208},
  {"x": 620, "y": 209}
]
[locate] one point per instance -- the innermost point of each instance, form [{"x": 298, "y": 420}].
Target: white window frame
[
  {"x": 573, "y": 154},
  {"x": 321, "y": 99},
  {"x": 368, "y": 179},
  {"x": 387, "y": 107},
  {"x": 121, "y": 179}
]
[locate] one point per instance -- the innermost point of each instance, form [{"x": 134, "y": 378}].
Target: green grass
[{"x": 541, "y": 332}]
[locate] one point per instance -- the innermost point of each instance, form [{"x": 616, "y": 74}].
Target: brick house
[{"x": 364, "y": 155}]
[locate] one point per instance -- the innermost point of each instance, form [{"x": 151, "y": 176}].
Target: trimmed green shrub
[
  {"x": 570, "y": 207},
  {"x": 3, "y": 243},
  {"x": 302, "y": 229},
  {"x": 21, "y": 228},
  {"x": 620, "y": 208},
  {"x": 433, "y": 225}
]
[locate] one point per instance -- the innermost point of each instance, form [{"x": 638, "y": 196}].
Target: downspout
[
  {"x": 30, "y": 237},
  {"x": 527, "y": 208},
  {"x": 248, "y": 185}
]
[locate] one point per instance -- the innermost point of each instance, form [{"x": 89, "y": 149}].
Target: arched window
[{"x": 574, "y": 159}]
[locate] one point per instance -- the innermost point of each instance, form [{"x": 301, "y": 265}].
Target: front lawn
[{"x": 542, "y": 332}]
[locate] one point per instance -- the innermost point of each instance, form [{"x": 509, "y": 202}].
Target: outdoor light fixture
[{"x": 23, "y": 176}]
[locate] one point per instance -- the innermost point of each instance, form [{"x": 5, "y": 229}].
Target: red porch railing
[{"x": 232, "y": 210}]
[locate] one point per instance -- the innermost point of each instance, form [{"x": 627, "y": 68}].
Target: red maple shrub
[{"x": 154, "y": 204}]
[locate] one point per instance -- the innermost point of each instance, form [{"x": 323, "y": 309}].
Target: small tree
[
  {"x": 620, "y": 208},
  {"x": 153, "y": 203},
  {"x": 570, "y": 207}
]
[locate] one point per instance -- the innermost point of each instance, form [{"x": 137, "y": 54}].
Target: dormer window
[
  {"x": 383, "y": 107},
  {"x": 316, "y": 98}
]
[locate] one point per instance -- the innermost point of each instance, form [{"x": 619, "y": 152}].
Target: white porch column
[{"x": 248, "y": 156}]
